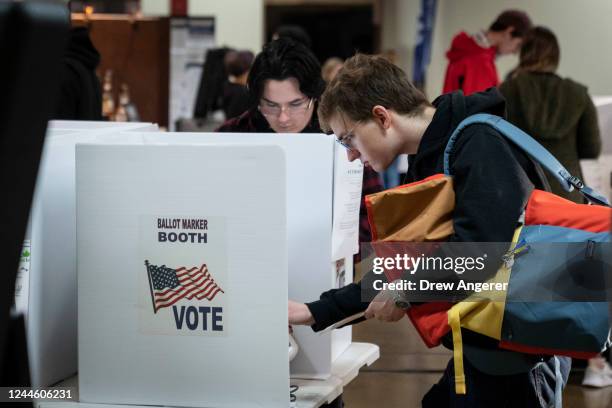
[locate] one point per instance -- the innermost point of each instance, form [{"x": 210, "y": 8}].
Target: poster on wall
[
  {"x": 190, "y": 38},
  {"x": 183, "y": 276}
]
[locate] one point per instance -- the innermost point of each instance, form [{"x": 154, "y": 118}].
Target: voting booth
[
  {"x": 323, "y": 199},
  {"x": 46, "y": 284},
  {"x": 182, "y": 275},
  {"x": 184, "y": 186}
]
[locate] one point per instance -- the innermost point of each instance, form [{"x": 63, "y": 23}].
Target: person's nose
[
  {"x": 352, "y": 154},
  {"x": 283, "y": 116}
]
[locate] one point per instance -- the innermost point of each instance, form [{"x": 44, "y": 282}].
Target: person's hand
[
  {"x": 300, "y": 314},
  {"x": 383, "y": 308}
]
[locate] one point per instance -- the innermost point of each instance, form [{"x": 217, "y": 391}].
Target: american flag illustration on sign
[{"x": 168, "y": 285}]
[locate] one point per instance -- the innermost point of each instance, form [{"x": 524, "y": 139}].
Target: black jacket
[
  {"x": 80, "y": 95},
  {"x": 235, "y": 99},
  {"x": 492, "y": 180}
]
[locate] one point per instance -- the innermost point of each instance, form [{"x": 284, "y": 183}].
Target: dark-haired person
[
  {"x": 285, "y": 85},
  {"x": 471, "y": 58},
  {"x": 377, "y": 114},
  {"x": 557, "y": 112},
  {"x": 235, "y": 92}
]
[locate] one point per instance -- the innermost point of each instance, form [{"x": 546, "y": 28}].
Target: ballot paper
[
  {"x": 348, "y": 180},
  {"x": 342, "y": 322}
]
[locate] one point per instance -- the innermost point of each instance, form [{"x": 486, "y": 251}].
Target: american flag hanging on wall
[{"x": 168, "y": 285}]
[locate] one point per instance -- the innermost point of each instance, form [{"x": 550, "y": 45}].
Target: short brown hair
[
  {"x": 540, "y": 51},
  {"x": 518, "y": 20},
  {"x": 364, "y": 82}
]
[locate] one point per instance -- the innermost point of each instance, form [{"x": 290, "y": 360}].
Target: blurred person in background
[
  {"x": 285, "y": 85},
  {"x": 558, "y": 112},
  {"x": 471, "y": 67},
  {"x": 80, "y": 92},
  {"x": 235, "y": 92},
  {"x": 330, "y": 68}
]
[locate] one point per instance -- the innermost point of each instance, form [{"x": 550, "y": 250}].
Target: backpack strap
[{"x": 530, "y": 146}]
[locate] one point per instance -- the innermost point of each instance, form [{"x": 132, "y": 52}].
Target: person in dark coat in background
[
  {"x": 471, "y": 58},
  {"x": 80, "y": 94},
  {"x": 210, "y": 90},
  {"x": 557, "y": 112},
  {"x": 235, "y": 92},
  {"x": 560, "y": 114}
]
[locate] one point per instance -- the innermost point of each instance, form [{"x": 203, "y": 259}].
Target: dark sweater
[
  {"x": 492, "y": 180},
  {"x": 235, "y": 99},
  {"x": 560, "y": 115},
  {"x": 80, "y": 95}
]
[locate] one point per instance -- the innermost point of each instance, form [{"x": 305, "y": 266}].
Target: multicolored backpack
[{"x": 579, "y": 329}]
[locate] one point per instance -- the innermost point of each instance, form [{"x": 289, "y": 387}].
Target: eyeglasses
[
  {"x": 347, "y": 139},
  {"x": 271, "y": 109}
]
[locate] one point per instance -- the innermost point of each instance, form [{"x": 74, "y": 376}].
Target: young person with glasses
[
  {"x": 285, "y": 85},
  {"x": 377, "y": 114}
]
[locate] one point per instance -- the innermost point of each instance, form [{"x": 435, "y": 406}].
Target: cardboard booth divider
[
  {"x": 317, "y": 168},
  {"x": 182, "y": 275}
]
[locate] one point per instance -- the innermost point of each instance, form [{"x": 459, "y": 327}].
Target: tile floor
[{"x": 407, "y": 369}]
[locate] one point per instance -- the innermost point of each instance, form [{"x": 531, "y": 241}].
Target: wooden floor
[{"x": 407, "y": 369}]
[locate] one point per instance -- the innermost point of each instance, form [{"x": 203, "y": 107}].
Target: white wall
[
  {"x": 238, "y": 23},
  {"x": 399, "y": 32},
  {"x": 583, "y": 28},
  {"x": 155, "y": 7}
]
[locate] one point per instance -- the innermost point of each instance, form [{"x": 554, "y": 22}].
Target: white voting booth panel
[
  {"x": 311, "y": 195},
  {"x": 49, "y": 295},
  {"x": 89, "y": 125},
  {"x": 149, "y": 215}
]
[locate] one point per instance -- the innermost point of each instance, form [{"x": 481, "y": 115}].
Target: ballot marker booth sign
[{"x": 182, "y": 275}]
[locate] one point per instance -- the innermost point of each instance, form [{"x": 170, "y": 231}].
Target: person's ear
[{"x": 381, "y": 116}]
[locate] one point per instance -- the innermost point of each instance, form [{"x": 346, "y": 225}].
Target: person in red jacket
[{"x": 471, "y": 67}]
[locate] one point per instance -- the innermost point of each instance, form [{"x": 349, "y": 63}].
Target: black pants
[{"x": 533, "y": 389}]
